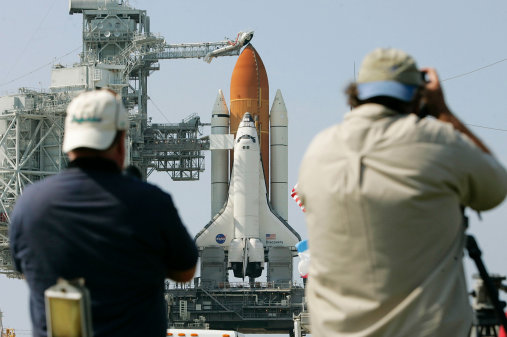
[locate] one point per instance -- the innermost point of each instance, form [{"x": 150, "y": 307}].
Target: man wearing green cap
[{"x": 382, "y": 192}]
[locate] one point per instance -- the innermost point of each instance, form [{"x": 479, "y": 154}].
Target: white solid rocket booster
[
  {"x": 279, "y": 156},
  {"x": 219, "y": 155}
]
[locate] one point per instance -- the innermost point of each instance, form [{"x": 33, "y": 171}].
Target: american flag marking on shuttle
[
  {"x": 270, "y": 236},
  {"x": 295, "y": 196}
]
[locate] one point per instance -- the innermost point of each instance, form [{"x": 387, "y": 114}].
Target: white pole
[
  {"x": 297, "y": 326},
  {"x": 279, "y": 156}
]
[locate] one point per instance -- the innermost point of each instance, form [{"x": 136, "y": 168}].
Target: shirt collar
[
  {"x": 371, "y": 111},
  {"x": 95, "y": 163}
]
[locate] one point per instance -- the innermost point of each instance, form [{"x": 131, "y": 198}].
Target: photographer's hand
[
  {"x": 433, "y": 95},
  {"x": 434, "y": 99}
]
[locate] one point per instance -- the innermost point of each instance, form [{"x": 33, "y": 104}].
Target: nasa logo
[{"x": 220, "y": 238}]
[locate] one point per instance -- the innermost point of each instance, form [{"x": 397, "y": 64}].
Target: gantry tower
[{"x": 119, "y": 52}]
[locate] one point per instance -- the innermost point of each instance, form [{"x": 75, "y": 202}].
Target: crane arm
[{"x": 206, "y": 50}]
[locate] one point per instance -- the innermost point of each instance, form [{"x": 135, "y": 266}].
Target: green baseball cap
[{"x": 388, "y": 72}]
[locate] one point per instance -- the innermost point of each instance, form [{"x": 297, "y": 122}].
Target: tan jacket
[{"x": 382, "y": 193}]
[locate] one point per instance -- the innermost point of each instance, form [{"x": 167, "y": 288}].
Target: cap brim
[
  {"x": 404, "y": 92},
  {"x": 89, "y": 138}
]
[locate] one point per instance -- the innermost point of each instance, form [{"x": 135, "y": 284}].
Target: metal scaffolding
[
  {"x": 119, "y": 52},
  {"x": 119, "y": 42},
  {"x": 31, "y": 134},
  {"x": 258, "y": 307},
  {"x": 175, "y": 148}
]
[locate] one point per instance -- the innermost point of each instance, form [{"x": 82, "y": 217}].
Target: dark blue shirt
[{"x": 120, "y": 234}]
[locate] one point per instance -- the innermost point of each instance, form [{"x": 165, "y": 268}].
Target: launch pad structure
[
  {"x": 120, "y": 52},
  {"x": 259, "y": 307}
]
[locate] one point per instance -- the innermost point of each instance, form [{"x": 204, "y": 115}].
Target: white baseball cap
[{"x": 93, "y": 119}]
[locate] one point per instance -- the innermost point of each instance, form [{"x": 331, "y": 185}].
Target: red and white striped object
[{"x": 294, "y": 195}]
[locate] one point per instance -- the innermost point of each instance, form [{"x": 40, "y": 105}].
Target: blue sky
[{"x": 310, "y": 50}]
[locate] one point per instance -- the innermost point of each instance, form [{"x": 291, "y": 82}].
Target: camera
[{"x": 424, "y": 77}]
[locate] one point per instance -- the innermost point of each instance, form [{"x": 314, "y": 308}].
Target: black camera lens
[{"x": 424, "y": 77}]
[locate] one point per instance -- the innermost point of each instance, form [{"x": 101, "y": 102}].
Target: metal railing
[{"x": 219, "y": 286}]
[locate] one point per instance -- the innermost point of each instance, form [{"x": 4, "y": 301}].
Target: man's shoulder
[
  {"x": 143, "y": 194},
  {"x": 400, "y": 127},
  {"x": 67, "y": 181},
  {"x": 38, "y": 195},
  {"x": 326, "y": 137},
  {"x": 324, "y": 148},
  {"x": 46, "y": 185},
  {"x": 434, "y": 131},
  {"x": 430, "y": 125},
  {"x": 141, "y": 186}
]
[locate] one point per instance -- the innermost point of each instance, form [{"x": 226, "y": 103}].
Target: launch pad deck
[{"x": 258, "y": 307}]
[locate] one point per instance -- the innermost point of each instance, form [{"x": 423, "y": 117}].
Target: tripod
[{"x": 488, "y": 308}]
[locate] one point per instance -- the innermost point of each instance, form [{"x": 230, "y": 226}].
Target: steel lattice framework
[
  {"x": 119, "y": 52},
  {"x": 30, "y": 149}
]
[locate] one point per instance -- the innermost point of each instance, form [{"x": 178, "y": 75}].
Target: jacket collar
[
  {"x": 371, "y": 111},
  {"x": 95, "y": 163}
]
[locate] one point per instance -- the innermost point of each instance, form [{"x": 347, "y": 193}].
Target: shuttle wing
[{"x": 273, "y": 230}]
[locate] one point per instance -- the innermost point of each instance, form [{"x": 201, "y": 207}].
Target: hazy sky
[{"x": 310, "y": 50}]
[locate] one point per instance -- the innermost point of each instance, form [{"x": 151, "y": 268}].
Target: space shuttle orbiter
[{"x": 247, "y": 227}]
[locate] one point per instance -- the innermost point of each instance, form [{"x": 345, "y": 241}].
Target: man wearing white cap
[
  {"x": 122, "y": 235},
  {"x": 382, "y": 192}
]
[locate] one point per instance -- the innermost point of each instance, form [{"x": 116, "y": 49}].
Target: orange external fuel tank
[{"x": 250, "y": 93}]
